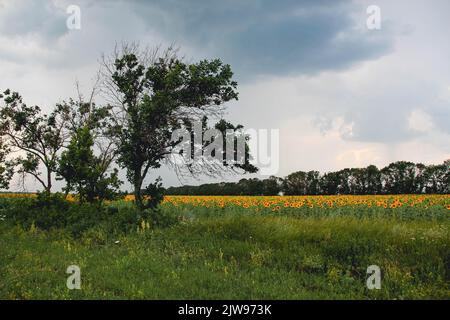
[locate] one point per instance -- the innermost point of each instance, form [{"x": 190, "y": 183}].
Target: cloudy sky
[{"x": 341, "y": 94}]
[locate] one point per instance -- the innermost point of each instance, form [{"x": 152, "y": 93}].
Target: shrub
[
  {"x": 48, "y": 212},
  {"x": 161, "y": 218}
]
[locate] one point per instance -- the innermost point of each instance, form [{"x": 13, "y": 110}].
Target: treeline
[{"x": 397, "y": 178}]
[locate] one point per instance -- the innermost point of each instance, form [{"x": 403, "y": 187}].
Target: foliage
[
  {"x": 53, "y": 211},
  {"x": 43, "y": 140},
  {"x": 154, "y": 193},
  {"x": 86, "y": 173},
  {"x": 39, "y": 136}
]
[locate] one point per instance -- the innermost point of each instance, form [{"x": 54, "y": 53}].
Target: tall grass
[{"x": 233, "y": 254}]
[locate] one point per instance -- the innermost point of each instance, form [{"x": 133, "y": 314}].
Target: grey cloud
[
  {"x": 440, "y": 113},
  {"x": 269, "y": 37},
  {"x": 258, "y": 37},
  {"x": 40, "y": 18},
  {"x": 380, "y": 125}
]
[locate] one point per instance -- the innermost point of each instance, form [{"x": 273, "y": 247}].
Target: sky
[{"x": 340, "y": 94}]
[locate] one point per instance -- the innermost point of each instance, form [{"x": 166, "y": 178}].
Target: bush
[
  {"x": 161, "y": 218},
  {"x": 48, "y": 212},
  {"x": 122, "y": 219}
]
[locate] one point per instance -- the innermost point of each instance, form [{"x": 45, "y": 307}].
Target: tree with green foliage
[
  {"x": 252, "y": 186},
  {"x": 85, "y": 173},
  {"x": 40, "y": 137},
  {"x": 373, "y": 180},
  {"x": 301, "y": 183},
  {"x": 446, "y": 178},
  {"x": 85, "y": 163},
  {"x": 295, "y": 183},
  {"x": 399, "y": 177},
  {"x": 153, "y": 94},
  {"x": 437, "y": 178},
  {"x": 272, "y": 186}
]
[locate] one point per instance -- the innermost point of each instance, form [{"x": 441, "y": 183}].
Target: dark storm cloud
[
  {"x": 268, "y": 37},
  {"x": 258, "y": 37}
]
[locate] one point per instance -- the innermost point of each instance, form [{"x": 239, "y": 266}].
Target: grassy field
[{"x": 233, "y": 248}]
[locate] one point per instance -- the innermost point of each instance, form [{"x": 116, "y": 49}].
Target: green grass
[{"x": 228, "y": 255}]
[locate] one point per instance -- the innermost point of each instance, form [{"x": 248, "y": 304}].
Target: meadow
[{"x": 198, "y": 247}]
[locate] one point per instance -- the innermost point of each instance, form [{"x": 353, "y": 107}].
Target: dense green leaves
[{"x": 85, "y": 173}]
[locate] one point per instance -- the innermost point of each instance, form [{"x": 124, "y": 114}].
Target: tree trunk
[
  {"x": 49, "y": 180},
  {"x": 48, "y": 187},
  {"x": 138, "y": 200}
]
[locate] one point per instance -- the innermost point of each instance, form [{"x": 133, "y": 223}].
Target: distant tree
[
  {"x": 351, "y": 181},
  {"x": 363, "y": 180},
  {"x": 313, "y": 178},
  {"x": 420, "y": 178},
  {"x": 154, "y": 93},
  {"x": 446, "y": 169},
  {"x": 329, "y": 183},
  {"x": 226, "y": 188},
  {"x": 39, "y": 136},
  {"x": 272, "y": 186},
  {"x": 356, "y": 181},
  {"x": 209, "y": 189},
  {"x": 373, "y": 180},
  {"x": 437, "y": 178},
  {"x": 301, "y": 183},
  {"x": 253, "y": 186},
  {"x": 296, "y": 183},
  {"x": 345, "y": 181},
  {"x": 399, "y": 177}
]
